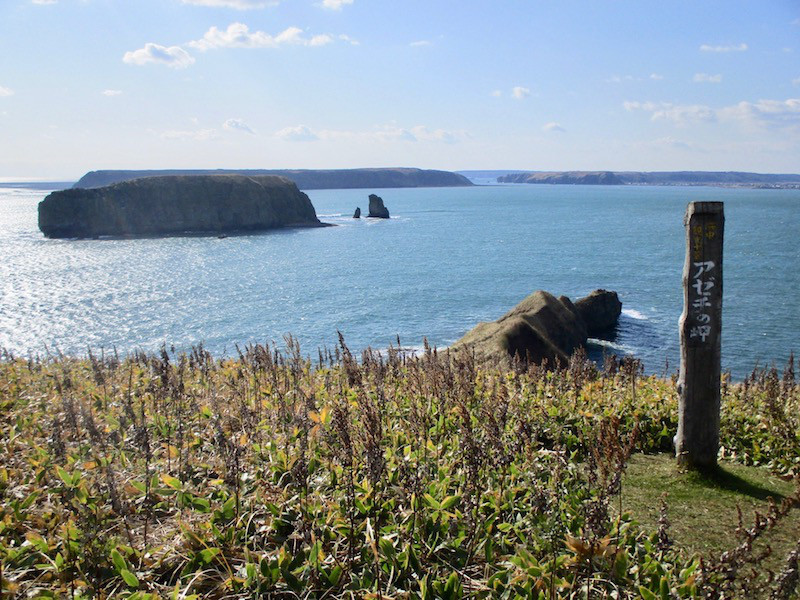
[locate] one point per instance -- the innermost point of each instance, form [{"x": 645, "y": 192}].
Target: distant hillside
[
  {"x": 719, "y": 178},
  {"x": 566, "y": 177},
  {"x": 305, "y": 179}
]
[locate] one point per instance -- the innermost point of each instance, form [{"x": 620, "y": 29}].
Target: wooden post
[{"x": 697, "y": 442}]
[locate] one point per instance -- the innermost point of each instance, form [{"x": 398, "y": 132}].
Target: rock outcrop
[
  {"x": 331, "y": 179},
  {"x": 600, "y": 311},
  {"x": 540, "y": 328},
  {"x": 170, "y": 205},
  {"x": 376, "y": 208},
  {"x": 357, "y": 214}
]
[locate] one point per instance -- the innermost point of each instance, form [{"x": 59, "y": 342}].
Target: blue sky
[{"x": 507, "y": 84}]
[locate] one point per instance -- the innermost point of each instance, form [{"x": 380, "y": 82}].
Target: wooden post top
[{"x": 703, "y": 208}]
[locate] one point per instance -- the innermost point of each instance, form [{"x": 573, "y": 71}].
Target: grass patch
[
  {"x": 272, "y": 476},
  {"x": 702, "y": 506}
]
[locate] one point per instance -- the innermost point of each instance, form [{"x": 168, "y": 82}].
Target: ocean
[{"x": 447, "y": 259}]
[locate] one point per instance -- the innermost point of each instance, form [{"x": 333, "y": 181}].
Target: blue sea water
[{"x": 447, "y": 259}]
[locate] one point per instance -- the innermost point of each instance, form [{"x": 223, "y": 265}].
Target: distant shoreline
[
  {"x": 313, "y": 179},
  {"x": 729, "y": 179}
]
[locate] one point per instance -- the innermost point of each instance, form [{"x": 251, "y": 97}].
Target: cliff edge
[{"x": 177, "y": 204}]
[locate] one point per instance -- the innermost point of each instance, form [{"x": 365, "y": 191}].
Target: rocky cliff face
[
  {"x": 169, "y": 205},
  {"x": 376, "y": 208},
  {"x": 305, "y": 179},
  {"x": 600, "y": 311},
  {"x": 542, "y": 328}
]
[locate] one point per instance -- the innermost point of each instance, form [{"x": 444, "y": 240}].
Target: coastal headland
[
  {"x": 687, "y": 178},
  {"x": 177, "y": 204},
  {"x": 305, "y": 179}
]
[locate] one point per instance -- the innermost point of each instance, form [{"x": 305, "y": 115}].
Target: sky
[{"x": 474, "y": 84}]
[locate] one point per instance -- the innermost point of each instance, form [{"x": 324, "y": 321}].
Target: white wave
[
  {"x": 634, "y": 314},
  {"x": 330, "y": 216},
  {"x": 608, "y": 344},
  {"x": 413, "y": 351}
]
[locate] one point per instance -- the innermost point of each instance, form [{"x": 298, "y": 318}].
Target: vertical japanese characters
[{"x": 702, "y": 284}]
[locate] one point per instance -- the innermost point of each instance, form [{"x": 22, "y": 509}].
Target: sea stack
[
  {"x": 357, "y": 214},
  {"x": 376, "y": 208},
  {"x": 171, "y": 205}
]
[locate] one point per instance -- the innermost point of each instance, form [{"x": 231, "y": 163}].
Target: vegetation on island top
[{"x": 386, "y": 477}]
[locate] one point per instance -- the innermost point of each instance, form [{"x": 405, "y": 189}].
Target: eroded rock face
[
  {"x": 600, "y": 311},
  {"x": 357, "y": 214},
  {"x": 376, "y": 207},
  {"x": 176, "y": 204},
  {"x": 541, "y": 328}
]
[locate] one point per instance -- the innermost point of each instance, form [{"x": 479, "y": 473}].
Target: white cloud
[
  {"x": 237, "y": 4},
  {"x": 44, "y": 1},
  {"x": 766, "y": 113},
  {"x": 677, "y": 113},
  {"x": 706, "y": 78},
  {"x": 618, "y": 79},
  {"x": 796, "y": 81},
  {"x": 173, "y": 56},
  {"x": 238, "y": 125},
  {"x": 386, "y": 133},
  {"x": 320, "y": 40},
  {"x": 497, "y": 93},
  {"x": 349, "y": 40},
  {"x": 200, "y": 135},
  {"x": 5, "y": 92},
  {"x": 553, "y": 126},
  {"x": 420, "y": 43},
  {"x": 737, "y": 48},
  {"x": 111, "y": 92},
  {"x": 392, "y": 133},
  {"x": 779, "y": 114},
  {"x": 238, "y": 35},
  {"x": 670, "y": 142},
  {"x": 520, "y": 92},
  {"x": 300, "y": 133},
  {"x": 423, "y": 134},
  {"x": 335, "y": 4},
  {"x": 621, "y": 78}
]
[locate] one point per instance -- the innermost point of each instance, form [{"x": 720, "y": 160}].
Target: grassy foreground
[{"x": 269, "y": 476}]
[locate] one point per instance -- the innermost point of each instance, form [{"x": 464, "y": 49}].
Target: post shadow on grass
[{"x": 721, "y": 478}]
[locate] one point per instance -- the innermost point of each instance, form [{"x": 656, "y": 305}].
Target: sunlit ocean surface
[{"x": 447, "y": 259}]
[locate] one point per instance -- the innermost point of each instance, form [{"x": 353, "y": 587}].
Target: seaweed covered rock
[{"x": 176, "y": 204}]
